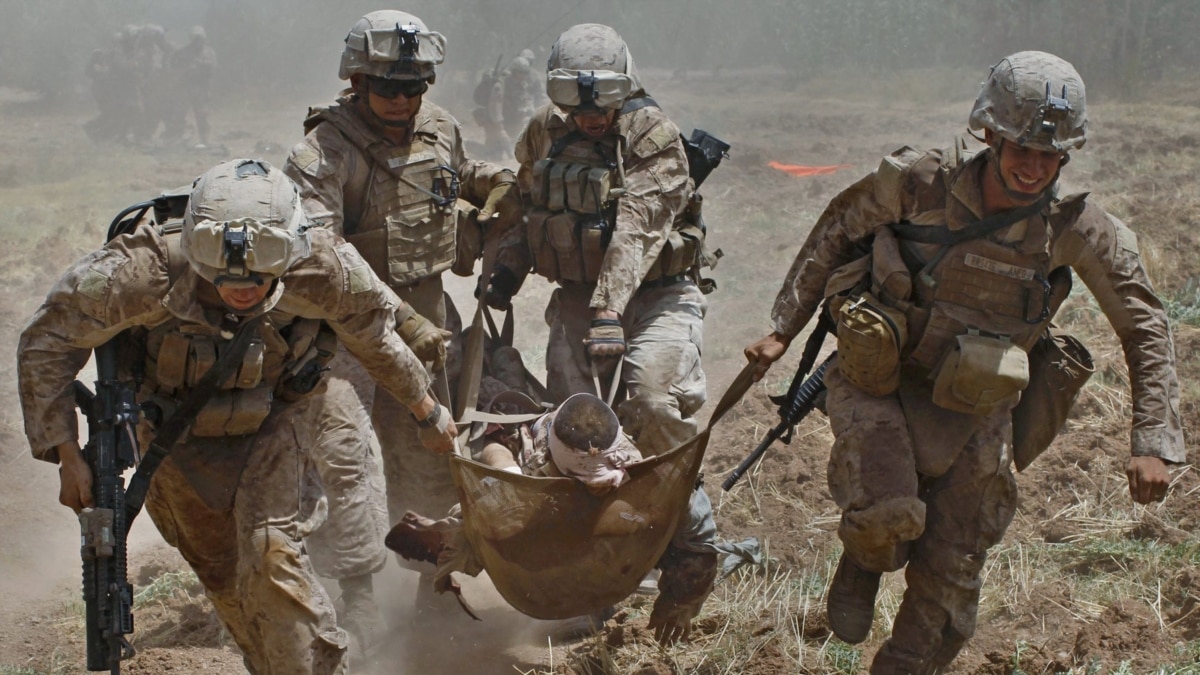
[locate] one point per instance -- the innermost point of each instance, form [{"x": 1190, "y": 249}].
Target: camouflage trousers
[
  {"x": 940, "y": 526},
  {"x": 350, "y": 543},
  {"x": 416, "y": 479},
  {"x": 238, "y": 509},
  {"x": 663, "y": 379}
]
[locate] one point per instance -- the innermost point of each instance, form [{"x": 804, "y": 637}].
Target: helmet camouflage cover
[
  {"x": 590, "y": 64},
  {"x": 244, "y": 224},
  {"x": 1033, "y": 99},
  {"x": 394, "y": 45}
]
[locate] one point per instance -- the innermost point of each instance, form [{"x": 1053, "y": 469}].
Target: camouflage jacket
[
  {"x": 931, "y": 188},
  {"x": 656, "y": 187},
  {"x": 128, "y": 284},
  {"x": 330, "y": 169}
]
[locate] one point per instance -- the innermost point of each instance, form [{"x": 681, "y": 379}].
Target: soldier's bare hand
[
  {"x": 74, "y": 478},
  {"x": 1148, "y": 479},
  {"x": 766, "y": 351},
  {"x": 437, "y": 430}
]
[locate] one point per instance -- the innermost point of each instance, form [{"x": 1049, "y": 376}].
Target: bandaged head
[{"x": 585, "y": 442}]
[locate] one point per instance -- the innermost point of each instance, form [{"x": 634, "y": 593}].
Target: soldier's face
[
  {"x": 241, "y": 298},
  {"x": 395, "y": 102},
  {"x": 1026, "y": 171},
  {"x": 594, "y": 124}
]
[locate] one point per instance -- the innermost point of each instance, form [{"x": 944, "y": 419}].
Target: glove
[
  {"x": 500, "y": 289},
  {"x": 672, "y": 621},
  {"x": 437, "y": 432},
  {"x": 502, "y": 209},
  {"x": 605, "y": 338},
  {"x": 425, "y": 340}
]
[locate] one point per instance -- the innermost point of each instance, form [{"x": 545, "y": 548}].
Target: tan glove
[
  {"x": 605, "y": 338},
  {"x": 502, "y": 209},
  {"x": 425, "y": 340}
]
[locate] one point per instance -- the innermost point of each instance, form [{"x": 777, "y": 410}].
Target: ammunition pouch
[
  {"x": 567, "y": 186},
  {"x": 980, "y": 375},
  {"x": 870, "y": 337},
  {"x": 468, "y": 238},
  {"x": 1059, "y": 365},
  {"x": 233, "y": 412}
]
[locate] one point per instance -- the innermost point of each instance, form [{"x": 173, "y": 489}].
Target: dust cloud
[{"x": 740, "y": 70}]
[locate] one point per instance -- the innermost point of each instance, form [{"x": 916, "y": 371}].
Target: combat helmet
[
  {"x": 590, "y": 68},
  {"x": 244, "y": 224},
  {"x": 1033, "y": 99},
  {"x": 394, "y": 45}
]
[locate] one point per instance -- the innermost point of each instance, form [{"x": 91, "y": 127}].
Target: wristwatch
[{"x": 432, "y": 420}]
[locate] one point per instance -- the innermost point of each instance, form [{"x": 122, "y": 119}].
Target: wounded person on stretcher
[{"x": 581, "y": 439}]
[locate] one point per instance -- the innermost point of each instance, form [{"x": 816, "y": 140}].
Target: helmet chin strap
[{"x": 1023, "y": 198}]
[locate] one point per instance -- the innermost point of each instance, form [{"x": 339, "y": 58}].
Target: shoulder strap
[
  {"x": 927, "y": 234},
  {"x": 173, "y": 427},
  {"x": 639, "y": 103}
]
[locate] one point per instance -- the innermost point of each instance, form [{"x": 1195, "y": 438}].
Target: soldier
[
  {"x": 606, "y": 175},
  {"x": 970, "y": 257},
  {"x": 238, "y": 495},
  {"x": 191, "y": 71},
  {"x": 386, "y": 169},
  {"x": 518, "y": 92}
]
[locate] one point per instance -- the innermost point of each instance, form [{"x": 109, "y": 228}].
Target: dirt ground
[{"x": 57, "y": 193}]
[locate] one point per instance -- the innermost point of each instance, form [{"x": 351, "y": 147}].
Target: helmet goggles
[
  {"x": 588, "y": 90},
  {"x": 246, "y": 252},
  {"x": 406, "y": 45}
]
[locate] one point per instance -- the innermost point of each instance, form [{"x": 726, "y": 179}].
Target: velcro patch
[
  {"x": 94, "y": 284},
  {"x": 360, "y": 278},
  {"x": 652, "y": 143},
  {"x": 305, "y": 158},
  {"x": 996, "y": 267}
]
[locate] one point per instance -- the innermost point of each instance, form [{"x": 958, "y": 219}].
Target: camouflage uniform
[
  {"x": 237, "y": 502},
  {"x": 929, "y": 487},
  {"x": 662, "y": 316},
  {"x": 340, "y": 167}
]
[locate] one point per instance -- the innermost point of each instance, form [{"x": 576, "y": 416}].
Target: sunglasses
[{"x": 389, "y": 89}]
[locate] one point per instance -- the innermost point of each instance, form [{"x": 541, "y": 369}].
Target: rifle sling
[{"x": 174, "y": 426}]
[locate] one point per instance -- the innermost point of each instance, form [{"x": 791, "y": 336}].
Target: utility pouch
[
  {"x": 1059, "y": 365},
  {"x": 980, "y": 374},
  {"x": 843, "y": 280},
  {"x": 545, "y": 260},
  {"x": 870, "y": 336},
  {"x": 233, "y": 413},
  {"x": 468, "y": 238},
  {"x": 564, "y": 240},
  {"x": 593, "y": 235}
]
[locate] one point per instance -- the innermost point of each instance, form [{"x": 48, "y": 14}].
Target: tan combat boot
[{"x": 851, "y": 602}]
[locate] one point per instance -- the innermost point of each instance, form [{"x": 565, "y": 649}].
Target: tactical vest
[
  {"x": 285, "y": 360},
  {"x": 573, "y": 196},
  {"x": 400, "y": 211},
  {"x": 1001, "y": 290}
]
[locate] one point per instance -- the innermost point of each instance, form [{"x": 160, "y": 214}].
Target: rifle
[
  {"x": 112, "y": 414},
  {"x": 798, "y": 402}
]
